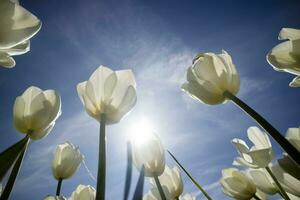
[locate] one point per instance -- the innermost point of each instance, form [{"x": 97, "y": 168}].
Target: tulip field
[{"x": 222, "y": 128}]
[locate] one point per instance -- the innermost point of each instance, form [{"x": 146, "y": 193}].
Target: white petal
[
  {"x": 19, "y": 49},
  {"x": 263, "y": 181},
  {"x": 18, "y": 114},
  {"x": 259, "y": 138},
  {"x": 293, "y": 136},
  {"x": 295, "y": 82},
  {"x": 6, "y": 61},
  {"x": 36, "y": 135},
  {"x": 289, "y": 33}
]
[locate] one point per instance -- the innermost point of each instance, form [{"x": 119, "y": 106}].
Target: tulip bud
[
  {"x": 18, "y": 25},
  {"x": 258, "y": 156},
  {"x": 149, "y": 153},
  {"x": 36, "y": 111},
  {"x": 210, "y": 76},
  {"x": 83, "y": 192},
  {"x": 54, "y": 198},
  {"x": 67, "y": 159},
  {"x": 171, "y": 179},
  {"x": 285, "y": 57},
  {"x": 188, "y": 196},
  {"x": 237, "y": 185},
  {"x": 108, "y": 92}
]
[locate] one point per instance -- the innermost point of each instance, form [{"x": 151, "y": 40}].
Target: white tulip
[
  {"x": 84, "y": 192},
  {"x": 54, "y": 198},
  {"x": 17, "y": 26},
  {"x": 286, "y": 55},
  {"x": 108, "y": 92},
  {"x": 153, "y": 194},
  {"x": 149, "y": 153},
  {"x": 237, "y": 185},
  {"x": 36, "y": 111},
  {"x": 258, "y": 156},
  {"x": 260, "y": 195},
  {"x": 66, "y": 161},
  {"x": 188, "y": 196},
  {"x": 171, "y": 179},
  {"x": 293, "y": 136},
  {"x": 263, "y": 181},
  {"x": 288, "y": 182},
  {"x": 210, "y": 76}
]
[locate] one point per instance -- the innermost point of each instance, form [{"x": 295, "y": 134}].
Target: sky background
[{"x": 157, "y": 39}]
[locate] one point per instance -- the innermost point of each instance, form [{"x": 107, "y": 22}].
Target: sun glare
[{"x": 141, "y": 131}]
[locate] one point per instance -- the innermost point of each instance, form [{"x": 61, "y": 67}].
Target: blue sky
[{"x": 158, "y": 40}]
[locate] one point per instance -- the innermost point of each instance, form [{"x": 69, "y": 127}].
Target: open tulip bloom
[
  {"x": 213, "y": 79},
  {"x": 34, "y": 114},
  {"x": 66, "y": 161},
  {"x": 107, "y": 96},
  {"x": 17, "y": 26},
  {"x": 285, "y": 57},
  {"x": 84, "y": 192}
]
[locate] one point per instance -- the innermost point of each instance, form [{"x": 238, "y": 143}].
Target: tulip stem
[
  {"x": 256, "y": 197},
  {"x": 190, "y": 176},
  {"x": 100, "y": 193},
  {"x": 14, "y": 173},
  {"x": 281, "y": 140},
  {"x": 128, "y": 171},
  {"x": 281, "y": 190},
  {"x": 159, "y": 187},
  {"x": 58, "y": 188}
]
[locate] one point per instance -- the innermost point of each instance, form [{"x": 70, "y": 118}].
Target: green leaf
[
  {"x": 8, "y": 156},
  {"x": 128, "y": 171},
  {"x": 139, "y": 190}
]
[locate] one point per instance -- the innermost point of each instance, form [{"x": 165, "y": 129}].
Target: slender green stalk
[
  {"x": 58, "y": 188},
  {"x": 190, "y": 176},
  {"x": 100, "y": 193},
  {"x": 281, "y": 140},
  {"x": 139, "y": 189},
  {"x": 281, "y": 190},
  {"x": 256, "y": 197},
  {"x": 14, "y": 173},
  {"x": 128, "y": 171},
  {"x": 159, "y": 187}
]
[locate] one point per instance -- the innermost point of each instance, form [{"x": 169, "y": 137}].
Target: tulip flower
[
  {"x": 17, "y": 26},
  {"x": 263, "y": 181},
  {"x": 148, "y": 153},
  {"x": 54, "y": 198},
  {"x": 84, "y": 192},
  {"x": 36, "y": 111},
  {"x": 212, "y": 79},
  {"x": 154, "y": 194},
  {"x": 237, "y": 185},
  {"x": 288, "y": 182},
  {"x": 187, "y": 196},
  {"x": 285, "y": 57},
  {"x": 107, "y": 96},
  {"x": 34, "y": 114},
  {"x": 260, "y": 155},
  {"x": 210, "y": 76},
  {"x": 171, "y": 179},
  {"x": 66, "y": 161}
]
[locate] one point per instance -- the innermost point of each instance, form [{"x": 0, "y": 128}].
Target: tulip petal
[
  {"x": 263, "y": 181},
  {"x": 295, "y": 82},
  {"x": 18, "y": 114},
  {"x": 289, "y": 33},
  {"x": 293, "y": 136},
  {"x": 19, "y": 49},
  {"x": 6, "y": 61},
  {"x": 36, "y": 135},
  {"x": 259, "y": 138}
]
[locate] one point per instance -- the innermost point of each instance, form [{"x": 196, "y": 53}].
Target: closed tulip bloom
[
  {"x": 153, "y": 194},
  {"x": 17, "y": 26},
  {"x": 286, "y": 55},
  {"x": 171, "y": 178},
  {"x": 84, "y": 192},
  {"x": 263, "y": 181},
  {"x": 258, "y": 156},
  {"x": 67, "y": 159},
  {"x": 150, "y": 154},
  {"x": 108, "y": 92},
  {"x": 187, "y": 196},
  {"x": 36, "y": 111},
  {"x": 54, "y": 198},
  {"x": 237, "y": 185},
  {"x": 288, "y": 182},
  {"x": 210, "y": 76}
]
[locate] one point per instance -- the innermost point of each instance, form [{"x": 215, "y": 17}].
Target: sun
[{"x": 141, "y": 131}]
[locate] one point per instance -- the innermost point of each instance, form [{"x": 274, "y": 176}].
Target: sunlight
[{"x": 141, "y": 131}]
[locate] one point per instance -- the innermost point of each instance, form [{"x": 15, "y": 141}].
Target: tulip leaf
[
  {"x": 128, "y": 171},
  {"x": 8, "y": 156},
  {"x": 139, "y": 190},
  {"x": 190, "y": 176}
]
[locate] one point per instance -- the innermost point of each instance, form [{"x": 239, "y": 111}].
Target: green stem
[
  {"x": 190, "y": 176},
  {"x": 281, "y": 140},
  {"x": 159, "y": 187},
  {"x": 58, "y": 188},
  {"x": 14, "y": 173},
  {"x": 281, "y": 190},
  {"x": 128, "y": 171},
  {"x": 100, "y": 193}
]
